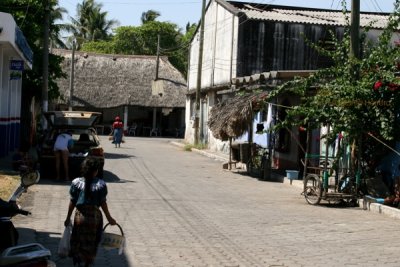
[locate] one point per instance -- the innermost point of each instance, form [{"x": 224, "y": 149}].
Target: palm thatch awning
[
  {"x": 231, "y": 118},
  {"x": 107, "y": 81}
]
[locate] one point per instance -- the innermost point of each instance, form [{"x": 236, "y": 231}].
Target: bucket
[
  {"x": 110, "y": 240},
  {"x": 292, "y": 174}
]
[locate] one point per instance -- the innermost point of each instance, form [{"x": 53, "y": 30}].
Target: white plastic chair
[{"x": 132, "y": 130}]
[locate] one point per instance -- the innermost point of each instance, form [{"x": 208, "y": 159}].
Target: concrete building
[
  {"x": 250, "y": 47},
  {"x": 15, "y": 57}
]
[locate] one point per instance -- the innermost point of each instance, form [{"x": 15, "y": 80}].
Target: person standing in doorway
[
  {"x": 61, "y": 151},
  {"x": 118, "y": 131}
]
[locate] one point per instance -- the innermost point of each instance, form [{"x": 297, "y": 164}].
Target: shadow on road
[
  {"x": 110, "y": 177},
  {"x": 117, "y": 156},
  {"x": 50, "y": 241}
]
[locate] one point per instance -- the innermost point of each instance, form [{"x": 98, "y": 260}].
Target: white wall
[
  {"x": 218, "y": 66},
  {"x": 219, "y": 48},
  {"x": 10, "y": 90}
]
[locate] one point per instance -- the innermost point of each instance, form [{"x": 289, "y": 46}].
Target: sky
[{"x": 180, "y": 12}]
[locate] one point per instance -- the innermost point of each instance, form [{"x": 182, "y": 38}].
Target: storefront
[{"x": 15, "y": 57}]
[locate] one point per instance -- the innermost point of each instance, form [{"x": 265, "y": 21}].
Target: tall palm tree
[
  {"x": 98, "y": 26},
  {"x": 56, "y": 14},
  {"x": 149, "y": 15},
  {"x": 90, "y": 23}
]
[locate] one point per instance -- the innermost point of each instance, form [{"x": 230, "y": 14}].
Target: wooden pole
[
  {"x": 45, "y": 74},
  {"x": 199, "y": 70},
  {"x": 158, "y": 56},
  {"x": 355, "y": 29},
  {"x": 72, "y": 75}
]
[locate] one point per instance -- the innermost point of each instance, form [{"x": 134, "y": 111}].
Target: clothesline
[
  {"x": 383, "y": 143},
  {"x": 377, "y": 139},
  {"x": 279, "y": 105}
]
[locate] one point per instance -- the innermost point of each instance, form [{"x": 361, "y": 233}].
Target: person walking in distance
[
  {"x": 87, "y": 194},
  {"x": 118, "y": 131},
  {"x": 61, "y": 152}
]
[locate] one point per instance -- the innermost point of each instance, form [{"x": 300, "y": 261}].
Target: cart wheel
[
  {"x": 312, "y": 189},
  {"x": 265, "y": 168}
]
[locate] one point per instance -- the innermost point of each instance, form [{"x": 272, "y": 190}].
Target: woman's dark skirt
[
  {"x": 86, "y": 234},
  {"x": 118, "y": 135}
]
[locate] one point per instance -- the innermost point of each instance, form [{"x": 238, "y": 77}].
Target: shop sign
[{"x": 17, "y": 65}]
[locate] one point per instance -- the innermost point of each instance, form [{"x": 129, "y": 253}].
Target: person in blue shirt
[{"x": 87, "y": 195}]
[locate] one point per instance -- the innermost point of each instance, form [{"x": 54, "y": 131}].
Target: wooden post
[
  {"x": 199, "y": 72},
  {"x": 307, "y": 152},
  {"x": 230, "y": 153}
]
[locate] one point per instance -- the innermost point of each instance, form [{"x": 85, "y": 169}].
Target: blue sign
[
  {"x": 17, "y": 65},
  {"x": 23, "y": 45}
]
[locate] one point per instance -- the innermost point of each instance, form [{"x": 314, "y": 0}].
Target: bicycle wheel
[
  {"x": 265, "y": 168},
  {"x": 312, "y": 189}
]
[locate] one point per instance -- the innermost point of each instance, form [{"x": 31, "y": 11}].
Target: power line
[{"x": 151, "y": 3}]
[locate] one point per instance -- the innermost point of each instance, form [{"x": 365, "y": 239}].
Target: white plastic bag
[
  {"x": 64, "y": 245},
  {"x": 122, "y": 247}
]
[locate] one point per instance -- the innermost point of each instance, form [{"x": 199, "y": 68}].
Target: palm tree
[
  {"x": 56, "y": 14},
  {"x": 99, "y": 27},
  {"x": 149, "y": 15},
  {"x": 90, "y": 23}
]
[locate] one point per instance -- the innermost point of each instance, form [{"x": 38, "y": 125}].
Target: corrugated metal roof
[{"x": 307, "y": 16}]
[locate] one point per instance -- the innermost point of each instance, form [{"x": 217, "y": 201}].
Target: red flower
[
  {"x": 378, "y": 85},
  {"x": 393, "y": 87}
]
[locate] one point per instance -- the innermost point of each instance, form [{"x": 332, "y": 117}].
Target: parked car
[{"x": 81, "y": 124}]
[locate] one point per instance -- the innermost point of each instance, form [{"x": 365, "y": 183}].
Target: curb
[
  {"x": 203, "y": 152},
  {"x": 365, "y": 205}
]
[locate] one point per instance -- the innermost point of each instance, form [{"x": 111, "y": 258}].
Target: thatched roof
[
  {"x": 105, "y": 81},
  {"x": 231, "y": 118}
]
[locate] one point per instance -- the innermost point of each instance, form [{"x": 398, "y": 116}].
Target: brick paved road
[{"x": 181, "y": 209}]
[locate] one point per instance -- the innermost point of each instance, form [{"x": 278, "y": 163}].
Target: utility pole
[
  {"x": 199, "y": 70},
  {"x": 45, "y": 87},
  {"x": 355, "y": 29},
  {"x": 158, "y": 56},
  {"x": 354, "y": 55},
  {"x": 72, "y": 76}
]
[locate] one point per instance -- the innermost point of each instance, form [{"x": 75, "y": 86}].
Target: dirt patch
[{"x": 8, "y": 183}]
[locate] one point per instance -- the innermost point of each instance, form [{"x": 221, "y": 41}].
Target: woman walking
[
  {"x": 118, "y": 130},
  {"x": 87, "y": 193}
]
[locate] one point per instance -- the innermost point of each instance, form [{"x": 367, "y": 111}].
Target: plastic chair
[
  {"x": 132, "y": 130},
  {"x": 154, "y": 131}
]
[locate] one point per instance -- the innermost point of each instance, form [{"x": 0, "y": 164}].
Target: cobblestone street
[{"x": 179, "y": 208}]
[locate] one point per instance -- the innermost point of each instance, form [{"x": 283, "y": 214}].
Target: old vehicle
[{"x": 81, "y": 124}]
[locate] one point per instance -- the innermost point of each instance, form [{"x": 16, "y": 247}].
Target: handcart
[{"x": 328, "y": 176}]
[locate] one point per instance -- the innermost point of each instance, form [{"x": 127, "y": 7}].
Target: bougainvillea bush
[{"x": 359, "y": 96}]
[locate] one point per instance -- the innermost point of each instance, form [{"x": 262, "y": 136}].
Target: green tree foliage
[
  {"x": 28, "y": 15},
  {"x": 357, "y": 96},
  {"x": 142, "y": 40}
]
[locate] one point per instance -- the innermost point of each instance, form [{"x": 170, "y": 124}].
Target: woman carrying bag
[{"x": 87, "y": 193}]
